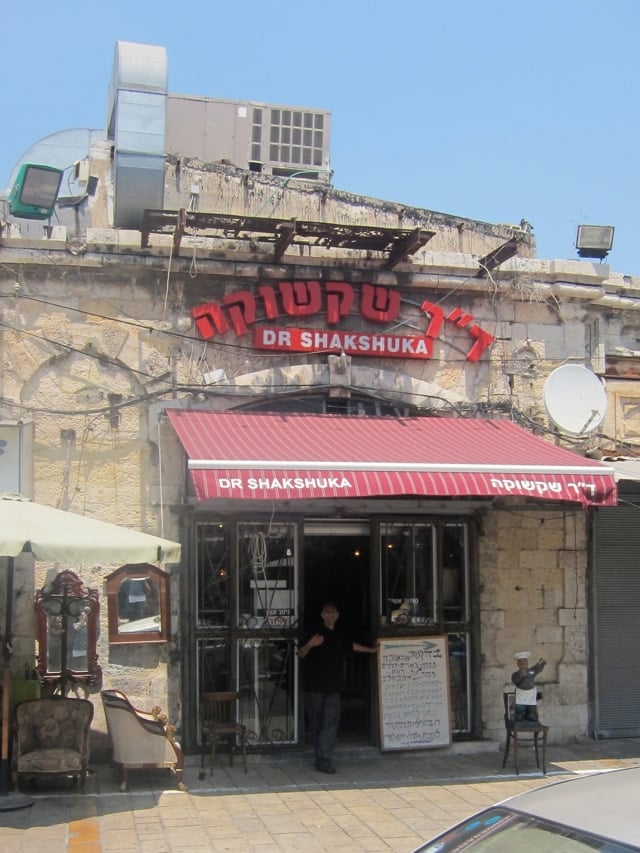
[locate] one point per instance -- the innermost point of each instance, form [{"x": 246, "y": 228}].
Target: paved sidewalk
[{"x": 376, "y": 802}]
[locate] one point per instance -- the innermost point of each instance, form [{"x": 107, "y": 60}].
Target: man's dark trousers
[{"x": 324, "y": 717}]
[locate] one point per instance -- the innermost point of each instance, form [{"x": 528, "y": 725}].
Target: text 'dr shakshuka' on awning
[{"x": 282, "y": 456}]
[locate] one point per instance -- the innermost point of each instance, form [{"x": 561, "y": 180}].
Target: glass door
[
  {"x": 425, "y": 570},
  {"x": 266, "y": 625},
  {"x": 247, "y": 619}
]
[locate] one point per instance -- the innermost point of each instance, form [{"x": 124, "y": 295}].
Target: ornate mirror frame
[
  {"x": 67, "y": 624},
  {"x": 138, "y": 604}
]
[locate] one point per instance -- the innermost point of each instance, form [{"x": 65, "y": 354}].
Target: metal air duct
[{"x": 136, "y": 121}]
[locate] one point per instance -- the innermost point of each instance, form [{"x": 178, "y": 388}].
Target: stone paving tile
[
  {"x": 373, "y": 844},
  {"x": 425, "y": 827},
  {"x": 153, "y": 844},
  {"x": 272, "y": 810},
  {"x": 283, "y": 824},
  {"x": 177, "y": 837},
  {"x": 317, "y": 817},
  {"x": 350, "y": 822},
  {"x": 330, "y": 834},
  {"x": 114, "y": 839},
  {"x": 246, "y": 825},
  {"x": 235, "y": 845}
]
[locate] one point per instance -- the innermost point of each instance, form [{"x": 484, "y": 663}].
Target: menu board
[{"x": 413, "y": 685}]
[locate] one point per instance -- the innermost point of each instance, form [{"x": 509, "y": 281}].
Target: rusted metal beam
[
  {"x": 178, "y": 234},
  {"x": 498, "y": 256},
  {"x": 407, "y": 246},
  {"x": 284, "y": 238},
  {"x": 145, "y": 231},
  {"x": 396, "y": 243}
]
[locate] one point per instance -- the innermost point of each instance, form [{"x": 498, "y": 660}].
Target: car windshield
[{"x": 502, "y": 831}]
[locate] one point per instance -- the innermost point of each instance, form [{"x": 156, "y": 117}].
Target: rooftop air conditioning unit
[{"x": 277, "y": 140}]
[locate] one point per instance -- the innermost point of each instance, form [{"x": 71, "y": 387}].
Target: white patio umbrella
[{"x": 55, "y": 535}]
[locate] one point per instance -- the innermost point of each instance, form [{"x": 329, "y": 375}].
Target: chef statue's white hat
[{"x": 522, "y": 655}]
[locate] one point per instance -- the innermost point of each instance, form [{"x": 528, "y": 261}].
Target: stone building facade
[{"x": 108, "y": 332}]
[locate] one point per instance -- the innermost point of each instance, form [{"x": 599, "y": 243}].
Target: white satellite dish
[{"x": 575, "y": 399}]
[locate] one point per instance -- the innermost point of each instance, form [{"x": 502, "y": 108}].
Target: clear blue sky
[{"x": 493, "y": 110}]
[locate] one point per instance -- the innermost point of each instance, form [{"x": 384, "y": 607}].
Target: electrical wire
[
  {"x": 166, "y": 290},
  {"x": 294, "y": 360},
  {"x": 103, "y": 359},
  {"x": 223, "y": 345},
  {"x": 257, "y": 549},
  {"x": 193, "y": 267},
  {"x": 286, "y": 180},
  {"x": 160, "y": 479}
]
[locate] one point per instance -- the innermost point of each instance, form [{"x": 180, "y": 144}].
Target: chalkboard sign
[{"x": 413, "y": 684}]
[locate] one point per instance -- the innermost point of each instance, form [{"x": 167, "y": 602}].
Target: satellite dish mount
[{"x": 575, "y": 399}]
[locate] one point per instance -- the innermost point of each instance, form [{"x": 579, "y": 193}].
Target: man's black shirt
[{"x": 323, "y": 667}]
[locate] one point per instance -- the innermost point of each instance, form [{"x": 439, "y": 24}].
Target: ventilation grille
[{"x": 296, "y": 139}]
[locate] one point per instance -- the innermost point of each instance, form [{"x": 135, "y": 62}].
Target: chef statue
[{"x": 526, "y": 709}]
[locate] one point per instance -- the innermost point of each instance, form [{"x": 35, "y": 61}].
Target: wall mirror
[
  {"x": 67, "y": 620},
  {"x": 138, "y": 604}
]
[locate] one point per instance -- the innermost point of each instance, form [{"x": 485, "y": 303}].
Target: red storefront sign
[
  {"x": 237, "y": 311},
  {"x": 350, "y": 343}
]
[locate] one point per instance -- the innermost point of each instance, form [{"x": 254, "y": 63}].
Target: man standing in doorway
[{"x": 324, "y": 654}]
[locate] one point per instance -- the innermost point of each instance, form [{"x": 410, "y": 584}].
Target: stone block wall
[{"x": 532, "y": 571}]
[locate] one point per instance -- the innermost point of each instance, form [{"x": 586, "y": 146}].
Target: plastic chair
[
  {"x": 218, "y": 719},
  {"x": 522, "y": 733}
]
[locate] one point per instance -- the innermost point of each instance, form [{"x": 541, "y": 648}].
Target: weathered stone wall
[
  {"x": 140, "y": 325},
  {"x": 229, "y": 190},
  {"x": 83, "y": 375},
  {"x": 533, "y": 567}
]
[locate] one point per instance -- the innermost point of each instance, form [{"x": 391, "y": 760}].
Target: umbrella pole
[
  {"x": 8, "y": 801},
  {"x": 64, "y": 645}
]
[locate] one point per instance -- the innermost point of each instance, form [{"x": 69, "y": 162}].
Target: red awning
[{"x": 282, "y": 456}]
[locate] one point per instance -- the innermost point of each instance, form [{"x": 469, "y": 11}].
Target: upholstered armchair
[
  {"x": 140, "y": 739},
  {"x": 52, "y": 738}
]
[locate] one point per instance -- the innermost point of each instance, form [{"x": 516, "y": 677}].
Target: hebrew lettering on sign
[
  {"x": 413, "y": 686},
  {"x": 376, "y": 304},
  {"x": 483, "y": 339}
]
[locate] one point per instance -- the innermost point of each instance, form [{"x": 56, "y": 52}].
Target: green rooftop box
[{"x": 35, "y": 191}]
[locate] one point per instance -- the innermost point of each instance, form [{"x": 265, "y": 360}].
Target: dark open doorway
[{"x": 337, "y": 568}]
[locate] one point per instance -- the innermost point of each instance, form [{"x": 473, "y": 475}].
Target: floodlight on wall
[
  {"x": 35, "y": 191},
  {"x": 594, "y": 241}
]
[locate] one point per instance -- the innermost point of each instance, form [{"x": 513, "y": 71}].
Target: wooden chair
[
  {"x": 522, "y": 733},
  {"x": 52, "y": 738},
  {"x": 218, "y": 720},
  {"x": 140, "y": 739}
]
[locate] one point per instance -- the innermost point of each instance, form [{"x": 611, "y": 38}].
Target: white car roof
[{"x": 606, "y": 804}]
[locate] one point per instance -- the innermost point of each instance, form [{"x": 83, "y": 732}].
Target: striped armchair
[{"x": 140, "y": 739}]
